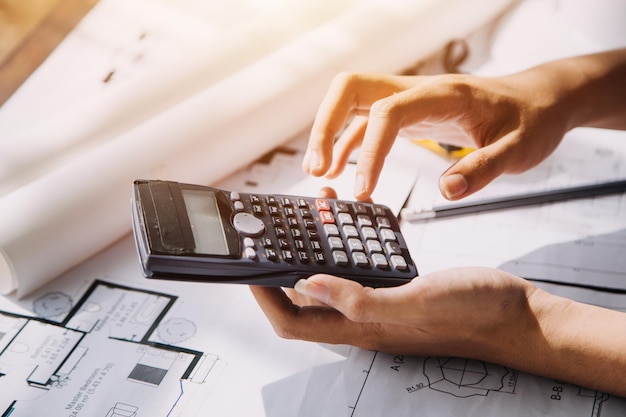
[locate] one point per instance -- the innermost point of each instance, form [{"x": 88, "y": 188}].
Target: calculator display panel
[{"x": 206, "y": 222}]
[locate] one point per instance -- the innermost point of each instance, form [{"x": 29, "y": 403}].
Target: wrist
[
  {"x": 519, "y": 343},
  {"x": 565, "y": 340}
]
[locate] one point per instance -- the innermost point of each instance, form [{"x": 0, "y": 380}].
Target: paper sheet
[{"x": 60, "y": 218}]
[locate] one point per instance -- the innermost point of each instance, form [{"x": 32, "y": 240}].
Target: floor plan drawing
[
  {"x": 378, "y": 384},
  {"x": 463, "y": 378},
  {"x": 110, "y": 354}
]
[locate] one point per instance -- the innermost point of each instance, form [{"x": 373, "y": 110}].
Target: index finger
[{"x": 349, "y": 94}]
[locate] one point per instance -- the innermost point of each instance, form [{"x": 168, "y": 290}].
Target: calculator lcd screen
[{"x": 206, "y": 222}]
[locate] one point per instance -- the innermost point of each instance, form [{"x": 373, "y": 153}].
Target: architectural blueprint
[
  {"x": 109, "y": 354},
  {"x": 383, "y": 385}
]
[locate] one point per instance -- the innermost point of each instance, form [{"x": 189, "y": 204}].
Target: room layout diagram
[
  {"x": 102, "y": 359},
  {"x": 378, "y": 384}
]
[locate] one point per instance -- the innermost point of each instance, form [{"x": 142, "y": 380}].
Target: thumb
[
  {"x": 474, "y": 171},
  {"x": 358, "y": 303}
]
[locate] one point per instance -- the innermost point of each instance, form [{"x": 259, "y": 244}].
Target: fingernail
[
  {"x": 359, "y": 185},
  {"x": 313, "y": 290},
  {"x": 453, "y": 185}
]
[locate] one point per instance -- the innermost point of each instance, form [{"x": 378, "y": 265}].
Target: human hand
[
  {"x": 456, "y": 312},
  {"x": 513, "y": 122},
  {"x": 475, "y": 312}
]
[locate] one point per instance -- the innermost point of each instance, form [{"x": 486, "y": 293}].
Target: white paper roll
[{"x": 60, "y": 219}]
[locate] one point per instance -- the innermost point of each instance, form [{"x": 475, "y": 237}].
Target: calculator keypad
[{"x": 319, "y": 231}]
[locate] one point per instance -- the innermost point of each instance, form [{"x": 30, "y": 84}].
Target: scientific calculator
[{"x": 199, "y": 233}]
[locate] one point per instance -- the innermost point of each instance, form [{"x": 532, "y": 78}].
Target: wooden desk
[{"x": 29, "y": 32}]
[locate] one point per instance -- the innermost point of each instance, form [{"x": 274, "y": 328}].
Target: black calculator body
[{"x": 198, "y": 233}]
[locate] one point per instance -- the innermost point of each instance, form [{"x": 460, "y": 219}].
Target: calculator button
[
  {"x": 304, "y": 257},
  {"x": 283, "y": 243},
  {"x": 289, "y": 212},
  {"x": 341, "y": 207},
  {"x": 373, "y": 246},
  {"x": 250, "y": 253},
  {"x": 359, "y": 208},
  {"x": 238, "y": 205},
  {"x": 316, "y": 245},
  {"x": 393, "y": 248},
  {"x": 340, "y": 257},
  {"x": 368, "y": 233},
  {"x": 379, "y": 261},
  {"x": 288, "y": 256},
  {"x": 308, "y": 223},
  {"x": 286, "y": 201},
  {"x": 257, "y": 209},
  {"x": 319, "y": 257},
  {"x": 327, "y": 217},
  {"x": 247, "y": 224},
  {"x": 345, "y": 218},
  {"x": 234, "y": 196},
  {"x": 383, "y": 222},
  {"x": 255, "y": 199},
  {"x": 355, "y": 245},
  {"x": 248, "y": 242},
  {"x": 312, "y": 233},
  {"x": 398, "y": 262},
  {"x": 280, "y": 232},
  {"x": 296, "y": 233},
  {"x": 292, "y": 222},
  {"x": 278, "y": 221},
  {"x": 335, "y": 242},
  {"x": 379, "y": 211},
  {"x": 387, "y": 235},
  {"x": 299, "y": 244},
  {"x": 271, "y": 200},
  {"x": 360, "y": 259},
  {"x": 331, "y": 230},
  {"x": 306, "y": 213},
  {"x": 271, "y": 254},
  {"x": 322, "y": 205},
  {"x": 363, "y": 220},
  {"x": 274, "y": 211},
  {"x": 302, "y": 203},
  {"x": 350, "y": 231},
  {"x": 267, "y": 242}
]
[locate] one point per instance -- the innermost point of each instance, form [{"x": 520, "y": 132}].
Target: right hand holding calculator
[{"x": 198, "y": 233}]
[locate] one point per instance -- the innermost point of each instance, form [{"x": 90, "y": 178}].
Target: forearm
[
  {"x": 588, "y": 90},
  {"x": 569, "y": 341}
]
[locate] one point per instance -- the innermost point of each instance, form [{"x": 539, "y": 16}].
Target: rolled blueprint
[
  {"x": 69, "y": 214},
  {"x": 71, "y": 130}
]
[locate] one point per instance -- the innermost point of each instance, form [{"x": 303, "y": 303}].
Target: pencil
[{"x": 455, "y": 209}]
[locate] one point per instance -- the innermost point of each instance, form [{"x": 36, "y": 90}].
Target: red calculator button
[
  {"x": 321, "y": 204},
  {"x": 327, "y": 217}
]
